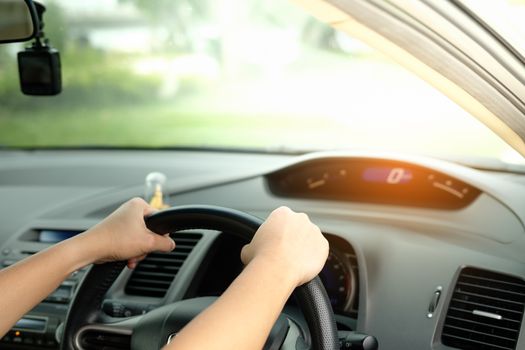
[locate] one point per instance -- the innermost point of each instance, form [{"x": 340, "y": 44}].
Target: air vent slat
[
  {"x": 464, "y": 320},
  {"x": 491, "y": 346},
  {"x": 485, "y": 311},
  {"x": 493, "y": 280},
  {"x": 481, "y": 333},
  {"x": 489, "y": 297},
  {"x": 153, "y": 268},
  {"x": 485, "y": 306},
  {"x": 153, "y": 275},
  {"x": 191, "y": 241},
  {"x": 145, "y": 281},
  {"x": 176, "y": 253},
  {"x": 466, "y": 314},
  {"x": 184, "y": 246},
  {"x": 151, "y": 291},
  {"x": 171, "y": 260},
  {"x": 470, "y": 313},
  {"x": 497, "y": 290},
  {"x": 146, "y": 266}
]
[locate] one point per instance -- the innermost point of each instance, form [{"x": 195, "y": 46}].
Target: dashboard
[
  {"x": 420, "y": 248},
  {"x": 371, "y": 181}
]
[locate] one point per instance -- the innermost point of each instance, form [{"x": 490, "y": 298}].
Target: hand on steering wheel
[{"x": 145, "y": 331}]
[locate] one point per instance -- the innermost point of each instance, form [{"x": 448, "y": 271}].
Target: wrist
[
  {"x": 85, "y": 249},
  {"x": 280, "y": 269},
  {"x": 72, "y": 256}
]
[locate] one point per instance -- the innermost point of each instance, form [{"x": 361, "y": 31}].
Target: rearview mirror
[{"x": 18, "y": 21}]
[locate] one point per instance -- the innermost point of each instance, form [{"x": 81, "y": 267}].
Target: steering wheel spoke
[{"x": 294, "y": 338}]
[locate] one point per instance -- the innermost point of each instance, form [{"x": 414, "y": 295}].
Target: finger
[
  {"x": 148, "y": 210},
  {"x": 163, "y": 243},
  {"x": 140, "y": 204},
  {"x": 140, "y": 258},
  {"x": 246, "y": 254},
  {"x": 132, "y": 263},
  {"x": 137, "y": 203}
]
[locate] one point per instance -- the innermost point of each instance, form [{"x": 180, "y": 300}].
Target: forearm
[
  {"x": 28, "y": 282},
  {"x": 244, "y": 315}
]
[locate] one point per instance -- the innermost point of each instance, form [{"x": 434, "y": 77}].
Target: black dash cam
[{"x": 39, "y": 69}]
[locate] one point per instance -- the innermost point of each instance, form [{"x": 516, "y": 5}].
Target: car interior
[{"x": 427, "y": 251}]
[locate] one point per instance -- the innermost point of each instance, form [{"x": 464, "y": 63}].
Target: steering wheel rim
[{"x": 85, "y": 307}]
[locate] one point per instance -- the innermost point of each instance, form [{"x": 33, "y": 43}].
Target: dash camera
[{"x": 39, "y": 69}]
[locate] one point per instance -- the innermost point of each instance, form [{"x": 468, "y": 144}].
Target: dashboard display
[
  {"x": 369, "y": 180},
  {"x": 55, "y": 236},
  {"x": 387, "y": 175},
  {"x": 31, "y": 324}
]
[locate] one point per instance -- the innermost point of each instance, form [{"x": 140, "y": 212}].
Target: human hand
[
  {"x": 291, "y": 242},
  {"x": 123, "y": 235}
]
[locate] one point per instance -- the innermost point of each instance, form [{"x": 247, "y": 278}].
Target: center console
[{"x": 37, "y": 328}]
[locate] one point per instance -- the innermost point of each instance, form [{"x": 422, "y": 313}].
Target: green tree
[
  {"x": 178, "y": 17},
  {"x": 55, "y": 25}
]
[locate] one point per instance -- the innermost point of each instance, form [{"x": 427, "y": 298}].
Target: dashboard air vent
[
  {"x": 153, "y": 275},
  {"x": 94, "y": 339},
  {"x": 485, "y": 311}
]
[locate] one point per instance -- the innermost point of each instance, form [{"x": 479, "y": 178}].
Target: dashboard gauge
[
  {"x": 367, "y": 180},
  {"x": 339, "y": 281}
]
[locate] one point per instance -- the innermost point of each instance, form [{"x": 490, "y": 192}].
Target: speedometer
[
  {"x": 339, "y": 281},
  {"x": 371, "y": 180}
]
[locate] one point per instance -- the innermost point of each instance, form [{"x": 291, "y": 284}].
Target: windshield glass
[{"x": 254, "y": 74}]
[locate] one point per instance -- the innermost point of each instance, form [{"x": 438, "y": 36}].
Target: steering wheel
[{"x": 153, "y": 330}]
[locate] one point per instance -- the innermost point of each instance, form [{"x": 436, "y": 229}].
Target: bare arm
[
  {"x": 287, "y": 251},
  {"x": 121, "y": 236}
]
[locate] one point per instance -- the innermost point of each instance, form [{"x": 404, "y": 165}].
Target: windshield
[{"x": 255, "y": 74}]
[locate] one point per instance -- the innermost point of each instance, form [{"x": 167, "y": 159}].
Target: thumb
[{"x": 163, "y": 243}]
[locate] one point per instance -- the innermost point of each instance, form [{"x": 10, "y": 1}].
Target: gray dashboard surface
[
  {"x": 37, "y": 184},
  {"x": 404, "y": 254}
]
